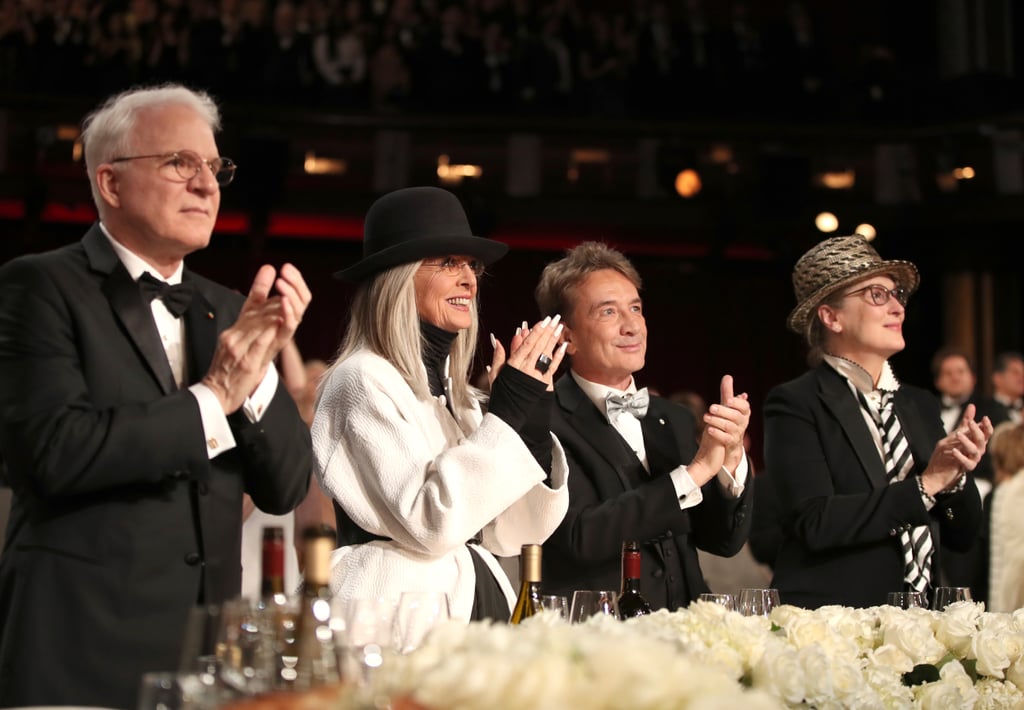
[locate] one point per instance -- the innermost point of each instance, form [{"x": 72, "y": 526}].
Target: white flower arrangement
[{"x": 705, "y": 657}]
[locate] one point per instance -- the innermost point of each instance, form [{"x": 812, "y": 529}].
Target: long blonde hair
[{"x": 384, "y": 320}]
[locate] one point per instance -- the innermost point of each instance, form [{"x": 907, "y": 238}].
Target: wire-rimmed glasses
[
  {"x": 453, "y": 267},
  {"x": 878, "y": 295},
  {"x": 188, "y": 164}
]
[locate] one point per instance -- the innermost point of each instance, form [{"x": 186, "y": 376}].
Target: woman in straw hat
[
  {"x": 427, "y": 487},
  {"x": 868, "y": 483}
]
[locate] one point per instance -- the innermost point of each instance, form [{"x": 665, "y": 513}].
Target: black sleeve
[{"x": 513, "y": 395}]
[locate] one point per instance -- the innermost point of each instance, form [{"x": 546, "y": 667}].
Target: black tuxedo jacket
[
  {"x": 612, "y": 498},
  {"x": 841, "y": 518},
  {"x": 120, "y": 522}
]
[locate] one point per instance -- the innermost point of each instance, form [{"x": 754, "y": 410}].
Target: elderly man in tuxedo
[
  {"x": 637, "y": 470},
  {"x": 138, "y": 402}
]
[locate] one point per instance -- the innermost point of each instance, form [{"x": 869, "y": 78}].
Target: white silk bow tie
[{"x": 636, "y": 404}]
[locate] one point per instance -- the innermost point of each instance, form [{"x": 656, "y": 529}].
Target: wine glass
[
  {"x": 726, "y": 600},
  {"x": 758, "y": 602},
  {"x": 417, "y": 614},
  {"x": 245, "y": 647},
  {"x": 368, "y": 637},
  {"x": 944, "y": 596},
  {"x": 175, "y": 691},
  {"x": 556, "y": 603},
  {"x": 907, "y": 600},
  {"x": 593, "y": 602}
]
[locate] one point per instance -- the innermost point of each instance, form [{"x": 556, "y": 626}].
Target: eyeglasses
[
  {"x": 187, "y": 165},
  {"x": 878, "y": 295},
  {"x": 453, "y": 267}
]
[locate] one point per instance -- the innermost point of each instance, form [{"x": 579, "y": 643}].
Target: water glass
[
  {"x": 246, "y": 651},
  {"x": 417, "y": 614},
  {"x": 726, "y": 600},
  {"x": 176, "y": 691},
  {"x": 368, "y": 638},
  {"x": 592, "y": 602},
  {"x": 556, "y": 603},
  {"x": 944, "y": 596},
  {"x": 758, "y": 602},
  {"x": 907, "y": 600}
]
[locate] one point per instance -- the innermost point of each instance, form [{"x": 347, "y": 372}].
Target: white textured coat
[{"x": 406, "y": 469}]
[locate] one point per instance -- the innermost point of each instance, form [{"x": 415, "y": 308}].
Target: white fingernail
[
  {"x": 546, "y": 322},
  {"x": 518, "y": 330},
  {"x": 526, "y": 326},
  {"x": 558, "y": 317},
  {"x": 564, "y": 346},
  {"x": 488, "y": 368},
  {"x": 558, "y": 330},
  {"x": 494, "y": 341}
]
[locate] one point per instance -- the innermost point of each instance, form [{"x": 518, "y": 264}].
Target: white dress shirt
[
  {"x": 628, "y": 426},
  {"x": 216, "y": 429}
]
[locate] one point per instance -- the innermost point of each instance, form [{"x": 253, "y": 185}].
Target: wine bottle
[
  {"x": 316, "y": 662},
  {"x": 272, "y": 582},
  {"x": 528, "y": 602},
  {"x": 631, "y": 602}
]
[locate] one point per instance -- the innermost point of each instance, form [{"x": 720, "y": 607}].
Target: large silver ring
[{"x": 543, "y": 363}]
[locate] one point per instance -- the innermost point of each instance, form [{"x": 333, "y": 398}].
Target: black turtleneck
[{"x": 437, "y": 344}]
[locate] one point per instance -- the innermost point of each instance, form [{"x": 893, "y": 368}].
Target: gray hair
[
  {"x": 107, "y": 131},
  {"x": 383, "y": 319},
  {"x": 556, "y": 290}
]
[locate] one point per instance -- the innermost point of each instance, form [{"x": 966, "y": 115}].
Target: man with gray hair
[
  {"x": 637, "y": 468},
  {"x": 138, "y": 402}
]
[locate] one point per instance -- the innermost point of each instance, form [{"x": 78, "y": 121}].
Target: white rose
[
  {"x": 780, "y": 673},
  {"x": 956, "y": 626},
  {"x": 892, "y": 658},
  {"x": 993, "y": 651},
  {"x": 915, "y": 638}
]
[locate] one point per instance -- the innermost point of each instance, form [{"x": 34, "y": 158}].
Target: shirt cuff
[
  {"x": 687, "y": 490},
  {"x": 216, "y": 429},
  {"x": 256, "y": 405},
  {"x": 734, "y": 483}
]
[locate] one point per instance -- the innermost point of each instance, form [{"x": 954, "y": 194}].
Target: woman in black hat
[
  {"x": 427, "y": 487},
  {"x": 868, "y": 482}
]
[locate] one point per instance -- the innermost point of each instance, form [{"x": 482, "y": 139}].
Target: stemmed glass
[
  {"x": 245, "y": 647},
  {"x": 556, "y": 603},
  {"x": 907, "y": 600},
  {"x": 758, "y": 602},
  {"x": 726, "y": 600},
  {"x": 944, "y": 596},
  {"x": 417, "y": 614},
  {"x": 368, "y": 637},
  {"x": 593, "y": 602}
]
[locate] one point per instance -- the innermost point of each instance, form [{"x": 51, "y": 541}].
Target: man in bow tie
[
  {"x": 138, "y": 402},
  {"x": 637, "y": 470}
]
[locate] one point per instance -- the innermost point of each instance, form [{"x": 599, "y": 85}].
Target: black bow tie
[{"x": 176, "y": 298}]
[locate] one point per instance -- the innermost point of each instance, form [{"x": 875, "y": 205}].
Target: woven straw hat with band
[{"x": 836, "y": 263}]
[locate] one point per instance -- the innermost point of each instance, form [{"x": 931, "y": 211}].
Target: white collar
[
  {"x": 860, "y": 378},
  {"x": 136, "y": 265}
]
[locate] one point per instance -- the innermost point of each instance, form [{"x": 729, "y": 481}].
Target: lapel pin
[
  {"x": 209, "y": 315},
  {"x": 661, "y": 421}
]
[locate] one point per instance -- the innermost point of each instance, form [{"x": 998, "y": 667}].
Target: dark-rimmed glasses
[
  {"x": 453, "y": 267},
  {"x": 878, "y": 295},
  {"x": 188, "y": 164}
]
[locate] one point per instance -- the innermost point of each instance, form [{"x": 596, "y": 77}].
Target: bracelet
[{"x": 929, "y": 499}]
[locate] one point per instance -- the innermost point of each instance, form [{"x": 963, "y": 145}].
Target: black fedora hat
[{"x": 416, "y": 223}]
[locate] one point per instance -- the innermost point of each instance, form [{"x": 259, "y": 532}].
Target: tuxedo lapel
[
  {"x": 130, "y": 308},
  {"x": 585, "y": 418},
  {"x": 839, "y": 400},
  {"x": 200, "y": 332}
]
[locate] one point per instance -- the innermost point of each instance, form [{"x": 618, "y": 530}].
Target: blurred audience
[{"x": 498, "y": 56}]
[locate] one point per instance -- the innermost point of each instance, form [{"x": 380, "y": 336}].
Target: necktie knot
[
  {"x": 633, "y": 403},
  {"x": 176, "y": 298}
]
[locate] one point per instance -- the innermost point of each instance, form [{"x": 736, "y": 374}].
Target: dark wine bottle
[
  {"x": 316, "y": 662},
  {"x": 631, "y": 602},
  {"x": 272, "y": 583},
  {"x": 528, "y": 602}
]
